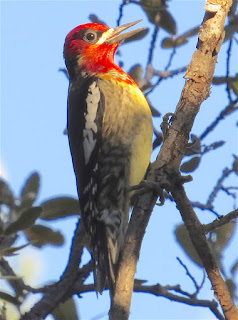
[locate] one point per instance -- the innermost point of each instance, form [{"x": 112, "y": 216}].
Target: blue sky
[{"x": 33, "y": 118}]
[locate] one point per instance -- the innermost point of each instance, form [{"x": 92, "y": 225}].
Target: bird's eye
[{"x": 90, "y": 36}]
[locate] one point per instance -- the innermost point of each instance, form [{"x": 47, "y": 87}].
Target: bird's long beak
[{"x": 116, "y": 36}]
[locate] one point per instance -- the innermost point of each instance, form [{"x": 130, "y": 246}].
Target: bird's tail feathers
[{"x": 106, "y": 248}]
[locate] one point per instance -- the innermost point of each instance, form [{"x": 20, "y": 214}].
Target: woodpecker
[{"x": 109, "y": 126}]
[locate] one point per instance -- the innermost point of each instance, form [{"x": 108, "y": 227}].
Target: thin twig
[
  {"x": 152, "y": 46},
  {"x": 223, "y": 80},
  {"x": 162, "y": 291},
  {"x": 58, "y": 292},
  {"x": 220, "y": 222},
  {"x": 225, "y": 174},
  {"x": 199, "y": 241},
  {"x": 228, "y": 71},
  {"x": 188, "y": 273},
  {"x": 121, "y": 7},
  {"x": 195, "y": 204},
  {"x": 17, "y": 284},
  {"x": 169, "y": 74},
  {"x": 166, "y": 68},
  {"x": 225, "y": 112}
]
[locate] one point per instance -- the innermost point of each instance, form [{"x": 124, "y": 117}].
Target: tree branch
[
  {"x": 56, "y": 293},
  {"x": 165, "y": 169},
  {"x": 120, "y": 304},
  {"x": 224, "y": 80},
  {"x": 220, "y": 222},
  {"x": 224, "y": 113},
  {"x": 169, "y": 74},
  {"x": 199, "y": 241},
  {"x": 189, "y": 275},
  {"x": 162, "y": 291},
  {"x": 226, "y": 172}
]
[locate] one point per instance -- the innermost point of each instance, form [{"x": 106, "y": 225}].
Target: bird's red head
[{"x": 91, "y": 47}]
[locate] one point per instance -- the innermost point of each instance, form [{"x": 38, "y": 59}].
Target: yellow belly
[{"x": 127, "y": 120}]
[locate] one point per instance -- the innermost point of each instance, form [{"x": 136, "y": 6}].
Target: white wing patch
[{"x": 92, "y": 102}]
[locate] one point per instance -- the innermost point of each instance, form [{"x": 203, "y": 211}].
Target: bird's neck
[{"x": 101, "y": 64}]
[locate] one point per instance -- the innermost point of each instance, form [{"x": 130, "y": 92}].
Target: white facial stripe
[
  {"x": 105, "y": 36},
  {"x": 92, "y": 101}
]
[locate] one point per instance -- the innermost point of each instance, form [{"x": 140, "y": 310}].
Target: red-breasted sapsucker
[{"x": 110, "y": 136}]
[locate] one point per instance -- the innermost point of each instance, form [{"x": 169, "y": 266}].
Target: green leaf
[
  {"x": 190, "y": 165},
  {"x": 234, "y": 268},
  {"x": 232, "y": 26},
  {"x": 41, "y": 235},
  {"x": 66, "y": 310},
  {"x": 11, "y": 250},
  {"x": 169, "y": 43},
  {"x": 179, "y": 40},
  {"x": 186, "y": 243},
  {"x": 137, "y": 36},
  {"x": 231, "y": 287},
  {"x": 6, "y": 195},
  {"x": 26, "y": 219},
  {"x": 94, "y": 18},
  {"x": 193, "y": 147},
  {"x": 167, "y": 22},
  {"x": 1, "y": 227},
  {"x": 59, "y": 208},
  {"x": 223, "y": 235},
  {"x": 234, "y": 86},
  {"x": 154, "y": 4},
  {"x": 235, "y": 164},
  {"x": 136, "y": 72},
  {"x": 30, "y": 190},
  {"x": 159, "y": 15}
]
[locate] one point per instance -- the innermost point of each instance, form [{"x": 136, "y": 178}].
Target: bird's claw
[
  {"x": 165, "y": 125},
  {"x": 146, "y": 186}
]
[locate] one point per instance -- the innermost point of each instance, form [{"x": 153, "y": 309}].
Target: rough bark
[{"x": 166, "y": 169}]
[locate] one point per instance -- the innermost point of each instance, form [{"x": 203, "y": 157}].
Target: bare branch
[
  {"x": 59, "y": 291},
  {"x": 163, "y": 291},
  {"x": 17, "y": 283},
  {"x": 165, "y": 70},
  {"x": 196, "y": 90},
  {"x": 225, "y": 174},
  {"x": 121, "y": 7},
  {"x": 199, "y": 241},
  {"x": 220, "y": 222},
  {"x": 228, "y": 60},
  {"x": 223, "y": 80},
  {"x": 152, "y": 46},
  {"x": 169, "y": 74},
  {"x": 224, "y": 113},
  {"x": 189, "y": 274},
  {"x": 120, "y": 305}
]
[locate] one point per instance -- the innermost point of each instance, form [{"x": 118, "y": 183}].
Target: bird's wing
[{"x": 85, "y": 114}]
